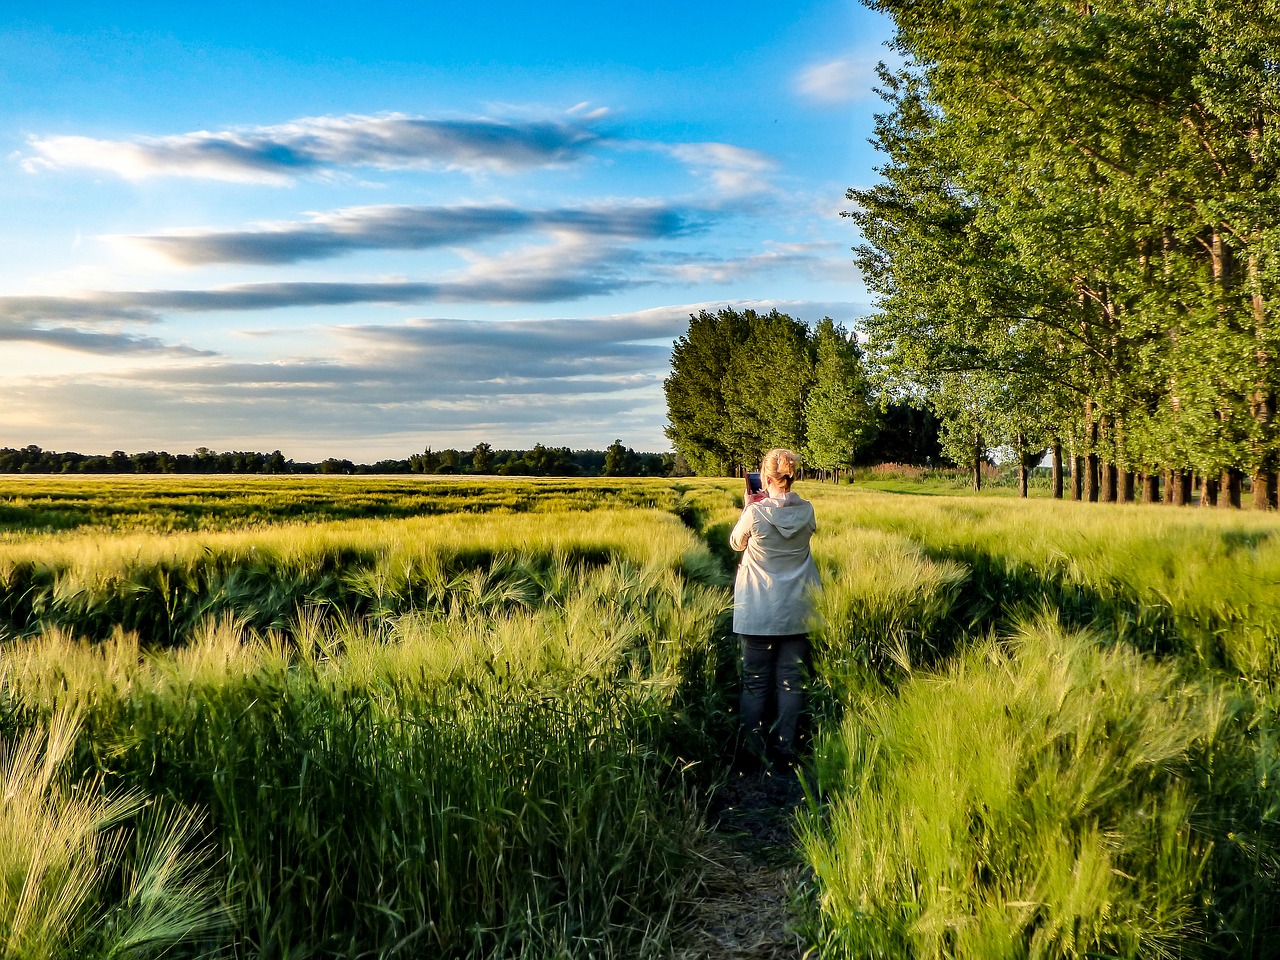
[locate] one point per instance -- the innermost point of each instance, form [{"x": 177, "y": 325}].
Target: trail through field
[
  {"x": 744, "y": 911},
  {"x": 753, "y": 865}
]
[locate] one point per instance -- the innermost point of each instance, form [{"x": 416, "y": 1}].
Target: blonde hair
[{"x": 780, "y": 466}]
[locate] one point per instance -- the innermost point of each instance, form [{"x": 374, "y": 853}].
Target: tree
[
  {"x": 615, "y": 459},
  {"x": 697, "y": 414},
  {"x": 482, "y": 458},
  {"x": 737, "y": 388},
  {"x": 768, "y": 383},
  {"x": 426, "y": 462},
  {"x": 840, "y": 418},
  {"x": 1127, "y": 181}
]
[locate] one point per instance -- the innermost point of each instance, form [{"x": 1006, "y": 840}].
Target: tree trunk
[
  {"x": 1110, "y": 483},
  {"x": 978, "y": 449},
  {"x": 1091, "y": 474},
  {"x": 1264, "y": 489},
  {"x": 1151, "y": 487},
  {"x": 1229, "y": 498},
  {"x": 1126, "y": 486},
  {"x": 1091, "y": 478},
  {"x": 1180, "y": 487},
  {"x": 1169, "y": 486},
  {"x": 1023, "y": 469},
  {"x": 1077, "y": 478},
  {"x": 1057, "y": 471},
  {"x": 1209, "y": 492},
  {"x": 1264, "y": 400}
]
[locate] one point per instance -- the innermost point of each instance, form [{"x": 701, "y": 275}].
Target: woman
[{"x": 772, "y": 604}]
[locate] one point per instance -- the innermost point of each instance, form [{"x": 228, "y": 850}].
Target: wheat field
[{"x": 305, "y": 717}]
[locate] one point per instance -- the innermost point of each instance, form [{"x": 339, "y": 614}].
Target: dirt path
[
  {"x": 744, "y": 911},
  {"x": 753, "y": 865}
]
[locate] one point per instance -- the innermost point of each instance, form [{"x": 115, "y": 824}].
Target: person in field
[{"x": 772, "y": 604}]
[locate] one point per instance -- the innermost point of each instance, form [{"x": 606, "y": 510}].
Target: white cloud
[
  {"x": 314, "y": 145},
  {"x": 837, "y": 81},
  {"x": 733, "y": 170}
]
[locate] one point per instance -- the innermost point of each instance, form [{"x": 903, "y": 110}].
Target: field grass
[
  {"x": 371, "y": 717},
  {"x": 463, "y": 733},
  {"x": 1047, "y": 729},
  {"x": 42, "y": 504}
]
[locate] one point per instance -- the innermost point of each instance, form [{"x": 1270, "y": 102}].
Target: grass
[
  {"x": 1002, "y": 781},
  {"x": 163, "y": 586},
  {"x": 1166, "y": 579},
  {"x": 91, "y": 873},
  {"x": 38, "y": 505},
  {"x": 479, "y": 718},
  {"x": 1049, "y": 795},
  {"x": 511, "y": 771}
]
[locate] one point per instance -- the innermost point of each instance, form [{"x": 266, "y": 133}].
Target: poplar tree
[
  {"x": 697, "y": 413},
  {"x": 768, "y": 381},
  {"x": 1114, "y": 165},
  {"x": 840, "y": 418}
]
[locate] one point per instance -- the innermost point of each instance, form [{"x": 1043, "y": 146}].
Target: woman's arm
[{"x": 741, "y": 530}]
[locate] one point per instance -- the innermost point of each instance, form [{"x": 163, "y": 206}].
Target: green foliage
[
  {"x": 1046, "y": 797},
  {"x": 740, "y": 385},
  {"x": 1091, "y": 237},
  {"x": 839, "y": 417},
  {"x": 701, "y": 363},
  {"x": 766, "y": 389}
]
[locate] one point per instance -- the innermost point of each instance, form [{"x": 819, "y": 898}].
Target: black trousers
[{"x": 773, "y": 664}]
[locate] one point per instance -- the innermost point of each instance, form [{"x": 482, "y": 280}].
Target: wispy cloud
[
  {"x": 733, "y": 170},
  {"x": 412, "y": 228},
  {"x": 321, "y": 146},
  {"x": 313, "y": 145},
  {"x": 108, "y": 343},
  {"x": 837, "y": 81},
  {"x": 823, "y": 260},
  {"x": 485, "y": 285}
]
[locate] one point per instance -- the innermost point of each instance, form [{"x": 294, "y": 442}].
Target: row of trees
[
  {"x": 542, "y": 461},
  {"x": 742, "y": 383},
  {"x": 617, "y": 460},
  {"x": 1074, "y": 241}
]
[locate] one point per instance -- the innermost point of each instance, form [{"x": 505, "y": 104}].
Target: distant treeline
[{"x": 539, "y": 461}]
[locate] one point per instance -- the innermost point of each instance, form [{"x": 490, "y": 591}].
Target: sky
[{"x": 359, "y": 230}]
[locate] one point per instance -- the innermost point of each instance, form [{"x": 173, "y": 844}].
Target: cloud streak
[
  {"x": 112, "y": 343},
  {"x": 149, "y": 305},
  {"x": 392, "y": 227},
  {"x": 838, "y": 81},
  {"x": 732, "y": 170},
  {"x": 319, "y": 146},
  {"x": 314, "y": 145}
]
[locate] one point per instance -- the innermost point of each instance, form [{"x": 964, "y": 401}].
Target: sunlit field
[{"x": 314, "y": 717}]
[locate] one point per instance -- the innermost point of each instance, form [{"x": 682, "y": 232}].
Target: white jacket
[{"x": 771, "y": 595}]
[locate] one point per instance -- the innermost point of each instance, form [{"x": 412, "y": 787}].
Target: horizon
[{"x": 359, "y": 234}]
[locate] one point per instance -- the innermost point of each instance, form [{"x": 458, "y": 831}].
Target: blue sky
[{"x": 361, "y": 229}]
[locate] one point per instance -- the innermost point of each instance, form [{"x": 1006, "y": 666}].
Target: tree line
[
  {"x": 542, "y": 461},
  {"x": 1073, "y": 243},
  {"x": 742, "y": 383}
]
